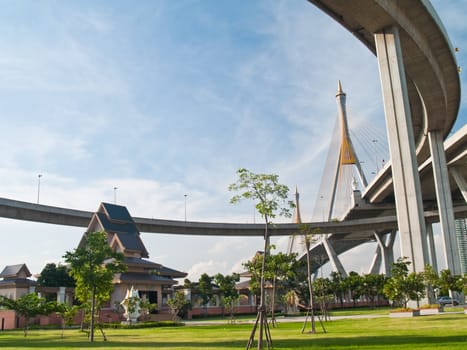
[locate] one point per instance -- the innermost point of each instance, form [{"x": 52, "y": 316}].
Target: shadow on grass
[
  {"x": 369, "y": 342},
  {"x": 298, "y": 342},
  {"x": 44, "y": 344}
]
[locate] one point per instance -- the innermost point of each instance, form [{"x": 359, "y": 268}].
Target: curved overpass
[
  {"x": 359, "y": 222},
  {"x": 429, "y": 59}
]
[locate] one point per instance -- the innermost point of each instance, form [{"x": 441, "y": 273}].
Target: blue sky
[{"x": 167, "y": 98}]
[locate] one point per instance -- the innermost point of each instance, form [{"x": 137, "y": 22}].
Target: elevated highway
[{"x": 363, "y": 218}]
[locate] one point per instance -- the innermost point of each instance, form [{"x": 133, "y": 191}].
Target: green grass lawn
[{"x": 428, "y": 332}]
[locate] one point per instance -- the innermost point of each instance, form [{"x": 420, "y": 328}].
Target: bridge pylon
[{"x": 336, "y": 190}]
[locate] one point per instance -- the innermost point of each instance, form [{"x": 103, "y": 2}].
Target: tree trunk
[
  {"x": 93, "y": 308},
  {"x": 273, "y": 302},
  {"x": 26, "y": 326},
  {"x": 310, "y": 288}
]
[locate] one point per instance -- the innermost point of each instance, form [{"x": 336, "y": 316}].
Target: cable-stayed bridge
[{"x": 425, "y": 178}]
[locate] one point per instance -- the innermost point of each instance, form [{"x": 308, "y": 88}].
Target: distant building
[
  {"x": 153, "y": 281},
  {"x": 15, "y": 281},
  {"x": 461, "y": 234}
]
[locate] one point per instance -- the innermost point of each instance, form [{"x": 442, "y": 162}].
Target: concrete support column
[
  {"x": 384, "y": 255},
  {"x": 386, "y": 249},
  {"x": 406, "y": 181},
  {"x": 251, "y": 299},
  {"x": 375, "y": 266},
  {"x": 61, "y": 295},
  {"x": 431, "y": 244},
  {"x": 333, "y": 258},
  {"x": 444, "y": 200},
  {"x": 460, "y": 181}
]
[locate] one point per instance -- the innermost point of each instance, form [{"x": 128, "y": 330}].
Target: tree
[
  {"x": 354, "y": 284},
  {"x": 338, "y": 286},
  {"x": 402, "y": 286},
  {"x": 205, "y": 289},
  {"x": 323, "y": 291},
  {"x": 271, "y": 200},
  {"x": 93, "y": 266},
  {"x": 416, "y": 286},
  {"x": 449, "y": 283},
  {"x": 395, "y": 288},
  {"x": 55, "y": 276},
  {"x": 431, "y": 280},
  {"x": 463, "y": 284},
  {"x": 146, "y": 309},
  {"x": 309, "y": 236},
  {"x": 28, "y": 306},
  {"x": 372, "y": 287},
  {"x": 179, "y": 305},
  {"x": 280, "y": 271},
  {"x": 254, "y": 267},
  {"x": 229, "y": 292},
  {"x": 67, "y": 313}
]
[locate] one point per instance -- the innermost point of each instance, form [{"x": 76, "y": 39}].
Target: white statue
[{"x": 131, "y": 304}]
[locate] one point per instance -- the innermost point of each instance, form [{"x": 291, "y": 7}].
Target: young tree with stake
[
  {"x": 271, "y": 200},
  {"x": 93, "y": 267}
]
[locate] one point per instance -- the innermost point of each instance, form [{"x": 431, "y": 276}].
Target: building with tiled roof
[
  {"x": 153, "y": 281},
  {"x": 15, "y": 282}
]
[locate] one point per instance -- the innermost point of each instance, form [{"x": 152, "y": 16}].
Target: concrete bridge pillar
[
  {"x": 444, "y": 199},
  {"x": 333, "y": 258},
  {"x": 431, "y": 244},
  {"x": 384, "y": 255},
  {"x": 460, "y": 181},
  {"x": 375, "y": 266},
  {"x": 61, "y": 295},
  {"x": 406, "y": 181}
]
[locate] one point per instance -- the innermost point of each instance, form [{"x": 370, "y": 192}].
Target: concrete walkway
[
  {"x": 280, "y": 319},
  {"x": 298, "y": 319}
]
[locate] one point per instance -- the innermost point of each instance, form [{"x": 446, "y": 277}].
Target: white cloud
[{"x": 209, "y": 267}]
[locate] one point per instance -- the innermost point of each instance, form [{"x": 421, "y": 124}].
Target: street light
[
  {"x": 185, "y": 205},
  {"x": 115, "y": 195},
  {"x": 38, "y": 186}
]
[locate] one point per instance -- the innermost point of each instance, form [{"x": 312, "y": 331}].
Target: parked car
[{"x": 447, "y": 300}]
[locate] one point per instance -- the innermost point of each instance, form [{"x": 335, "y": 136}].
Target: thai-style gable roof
[
  {"x": 128, "y": 242},
  {"x": 116, "y": 213},
  {"x": 166, "y": 271},
  {"x": 143, "y": 263},
  {"x": 123, "y": 236},
  {"x": 117, "y": 222},
  {"x": 15, "y": 272},
  {"x": 17, "y": 283},
  {"x": 145, "y": 278}
]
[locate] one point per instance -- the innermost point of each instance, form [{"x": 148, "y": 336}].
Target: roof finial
[
  {"x": 339, "y": 89},
  {"x": 298, "y": 219}
]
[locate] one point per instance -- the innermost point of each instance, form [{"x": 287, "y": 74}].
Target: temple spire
[
  {"x": 297, "y": 216},
  {"x": 291, "y": 248},
  {"x": 339, "y": 89}
]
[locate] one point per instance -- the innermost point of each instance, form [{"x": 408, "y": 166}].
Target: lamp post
[
  {"x": 185, "y": 205},
  {"x": 38, "y": 186},
  {"x": 115, "y": 195}
]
